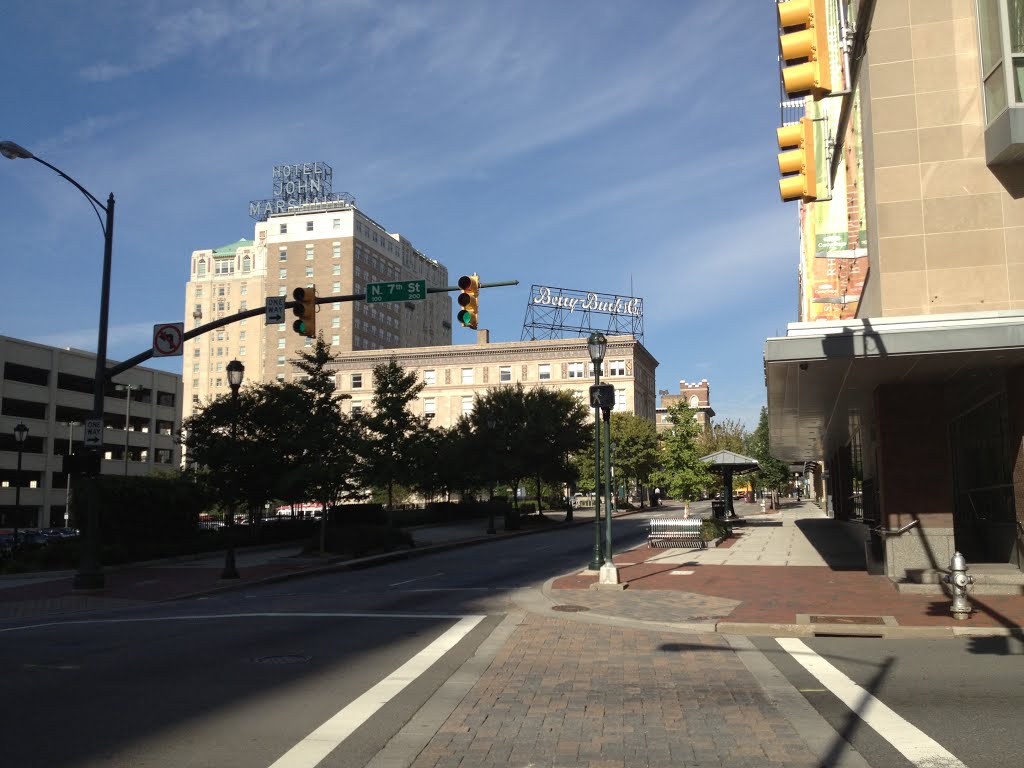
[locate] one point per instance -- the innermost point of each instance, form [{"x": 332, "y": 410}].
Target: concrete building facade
[
  {"x": 49, "y": 391},
  {"x": 454, "y": 375},
  {"x": 914, "y": 406},
  {"x": 335, "y": 247}
]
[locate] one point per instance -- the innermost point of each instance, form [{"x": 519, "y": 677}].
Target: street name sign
[{"x": 401, "y": 290}]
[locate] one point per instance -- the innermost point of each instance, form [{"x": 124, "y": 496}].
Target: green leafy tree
[
  {"x": 555, "y": 429},
  {"x": 772, "y": 474},
  {"x": 636, "y": 452},
  {"x": 331, "y": 439},
  {"x": 682, "y": 474},
  {"x": 391, "y": 428},
  {"x": 724, "y": 435},
  {"x": 499, "y": 418}
]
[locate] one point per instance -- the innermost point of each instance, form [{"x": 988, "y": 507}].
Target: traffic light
[
  {"x": 808, "y": 41},
  {"x": 800, "y": 173},
  {"x": 305, "y": 311},
  {"x": 469, "y": 300}
]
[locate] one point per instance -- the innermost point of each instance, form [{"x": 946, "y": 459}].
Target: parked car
[{"x": 33, "y": 540}]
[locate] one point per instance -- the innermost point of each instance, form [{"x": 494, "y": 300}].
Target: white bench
[{"x": 674, "y": 532}]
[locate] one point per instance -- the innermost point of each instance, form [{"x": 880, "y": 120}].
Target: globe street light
[
  {"x": 235, "y": 372},
  {"x": 90, "y": 574},
  {"x": 127, "y": 389},
  {"x": 596, "y": 345},
  {"x": 20, "y": 433}
]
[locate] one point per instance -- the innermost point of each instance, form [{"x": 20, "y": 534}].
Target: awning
[{"x": 821, "y": 376}]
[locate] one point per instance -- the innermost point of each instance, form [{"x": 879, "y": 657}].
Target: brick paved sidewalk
[{"x": 564, "y": 693}]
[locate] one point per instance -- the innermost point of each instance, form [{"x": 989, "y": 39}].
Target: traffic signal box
[
  {"x": 800, "y": 173},
  {"x": 806, "y": 40},
  {"x": 469, "y": 300},
  {"x": 305, "y": 311}
]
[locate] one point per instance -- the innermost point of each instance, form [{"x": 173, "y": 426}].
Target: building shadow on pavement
[{"x": 839, "y": 551}]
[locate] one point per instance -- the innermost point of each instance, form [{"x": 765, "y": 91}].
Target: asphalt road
[
  {"x": 952, "y": 701},
  {"x": 243, "y": 678}
]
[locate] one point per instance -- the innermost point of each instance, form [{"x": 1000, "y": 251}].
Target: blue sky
[{"x": 588, "y": 144}]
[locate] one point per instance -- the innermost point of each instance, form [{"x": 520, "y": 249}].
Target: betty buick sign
[
  {"x": 553, "y": 313},
  {"x": 594, "y": 302}
]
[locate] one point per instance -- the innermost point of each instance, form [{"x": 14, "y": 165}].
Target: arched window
[
  {"x": 201, "y": 268},
  {"x": 246, "y": 263},
  {"x": 694, "y": 402}
]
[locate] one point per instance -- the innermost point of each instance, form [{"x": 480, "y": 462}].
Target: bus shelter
[{"x": 727, "y": 464}]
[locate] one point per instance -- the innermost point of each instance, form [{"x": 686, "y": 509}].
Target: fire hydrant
[{"x": 959, "y": 580}]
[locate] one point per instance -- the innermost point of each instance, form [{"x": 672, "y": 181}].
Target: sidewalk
[{"x": 792, "y": 572}]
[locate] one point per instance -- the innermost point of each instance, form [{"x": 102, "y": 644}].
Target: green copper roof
[{"x": 229, "y": 250}]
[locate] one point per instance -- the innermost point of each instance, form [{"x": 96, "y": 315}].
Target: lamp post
[
  {"x": 235, "y": 372},
  {"x": 609, "y": 573},
  {"x": 67, "y": 487},
  {"x": 596, "y": 345},
  {"x": 491, "y": 424},
  {"x": 127, "y": 389},
  {"x": 90, "y": 573},
  {"x": 20, "y": 433}
]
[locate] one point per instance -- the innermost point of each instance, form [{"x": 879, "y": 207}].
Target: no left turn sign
[{"x": 167, "y": 339}]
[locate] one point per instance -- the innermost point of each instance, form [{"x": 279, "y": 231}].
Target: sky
[{"x": 598, "y": 145}]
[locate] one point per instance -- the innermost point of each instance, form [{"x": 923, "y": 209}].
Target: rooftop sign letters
[
  {"x": 296, "y": 186},
  {"x": 553, "y": 313},
  {"x": 593, "y": 302}
]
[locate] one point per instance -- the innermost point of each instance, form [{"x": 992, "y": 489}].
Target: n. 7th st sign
[{"x": 401, "y": 290}]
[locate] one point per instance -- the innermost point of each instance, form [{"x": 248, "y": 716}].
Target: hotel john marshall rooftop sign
[
  {"x": 299, "y": 186},
  {"x": 558, "y": 313}
]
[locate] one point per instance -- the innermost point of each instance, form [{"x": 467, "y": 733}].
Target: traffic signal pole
[{"x": 120, "y": 368}]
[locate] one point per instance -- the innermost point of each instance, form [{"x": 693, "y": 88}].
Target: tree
[
  {"x": 555, "y": 429},
  {"x": 331, "y": 439},
  {"x": 724, "y": 435},
  {"x": 636, "y": 449},
  {"x": 682, "y": 474},
  {"x": 499, "y": 417},
  {"x": 391, "y": 429},
  {"x": 772, "y": 474}
]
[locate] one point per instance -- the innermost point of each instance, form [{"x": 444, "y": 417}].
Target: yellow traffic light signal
[
  {"x": 808, "y": 40},
  {"x": 469, "y": 300},
  {"x": 800, "y": 173},
  {"x": 305, "y": 311}
]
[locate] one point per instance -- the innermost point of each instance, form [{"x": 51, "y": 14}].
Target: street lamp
[
  {"x": 67, "y": 487},
  {"x": 235, "y": 372},
  {"x": 90, "y": 574},
  {"x": 127, "y": 389},
  {"x": 20, "y": 433},
  {"x": 596, "y": 345}
]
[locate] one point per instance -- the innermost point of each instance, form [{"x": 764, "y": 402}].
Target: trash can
[
  {"x": 718, "y": 510},
  {"x": 750, "y": 497}
]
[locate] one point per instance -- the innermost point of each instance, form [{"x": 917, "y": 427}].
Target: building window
[
  {"x": 241, "y": 335},
  {"x": 196, "y": 351},
  {"x": 544, "y": 371},
  {"x": 335, "y": 322},
  {"x": 430, "y": 377},
  {"x": 280, "y": 359},
  {"x": 284, "y": 229},
  {"x": 467, "y": 405},
  {"x": 201, "y": 268},
  {"x": 283, "y": 274},
  {"x": 335, "y": 269},
  {"x": 694, "y": 402},
  {"x": 620, "y": 398},
  {"x": 309, "y": 271},
  {"x": 335, "y": 340},
  {"x": 467, "y": 375},
  {"x": 575, "y": 370},
  {"x": 243, "y": 306},
  {"x": 241, "y": 351},
  {"x": 309, "y": 253},
  {"x": 282, "y": 254},
  {"x": 199, "y": 291},
  {"x": 357, "y": 381},
  {"x": 280, "y": 343},
  {"x": 590, "y": 369},
  {"x": 336, "y": 251},
  {"x": 336, "y": 288},
  {"x": 336, "y": 223},
  {"x": 357, "y": 407},
  {"x": 282, "y": 290},
  {"x": 309, "y": 226},
  {"x": 505, "y": 373},
  {"x": 243, "y": 289},
  {"x": 617, "y": 368},
  {"x": 429, "y": 407},
  {"x": 246, "y": 264}
]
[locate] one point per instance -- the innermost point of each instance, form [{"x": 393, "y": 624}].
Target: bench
[{"x": 665, "y": 532}]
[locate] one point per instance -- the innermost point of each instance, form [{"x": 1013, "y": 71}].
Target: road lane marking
[
  {"x": 325, "y": 739},
  {"x": 418, "y": 579},
  {"x": 915, "y": 745}
]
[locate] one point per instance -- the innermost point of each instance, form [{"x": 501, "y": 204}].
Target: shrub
[
  {"x": 714, "y": 529},
  {"x": 360, "y": 540}
]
